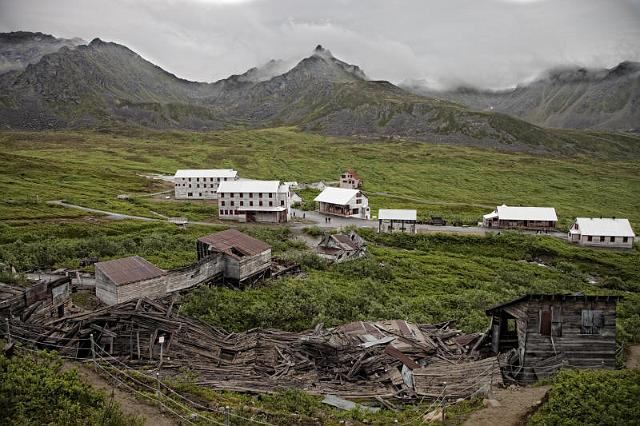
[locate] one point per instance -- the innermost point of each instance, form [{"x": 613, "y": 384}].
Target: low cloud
[{"x": 484, "y": 43}]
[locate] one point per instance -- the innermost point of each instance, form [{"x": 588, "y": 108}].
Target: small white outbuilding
[
  {"x": 397, "y": 220},
  {"x": 601, "y": 232}
]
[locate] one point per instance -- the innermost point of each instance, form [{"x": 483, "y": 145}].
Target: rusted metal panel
[
  {"x": 395, "y": 353},
  {"x": 129, "y": 270},
  {"x": 235, "y": 243}
]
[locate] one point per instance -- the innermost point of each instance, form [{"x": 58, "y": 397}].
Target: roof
[
  {"x": 526, "y": 213},
  {"x": 547, "y": 296},
  {"x": 397, "y": 214},
  {"x": 333, "y": 195},
  {"x": 129, "y": 270},
  {"x": 604, "y": 227},
  {"x": 187, "y": 173},
  {"x": 249, "y": 185},
  {"x": 346, "y": 241},
  {"x": 353, "y": 173},
  {"x": 230, "y": 239}
]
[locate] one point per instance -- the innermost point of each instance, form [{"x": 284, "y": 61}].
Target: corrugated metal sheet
[
  {"x": 397, "y": 214},
  {"x": 526, "y": 213},
  {"x": 210, "y": 173},
  {"x": 129, "y": 270},
  {"x": 230, "y": 239}
]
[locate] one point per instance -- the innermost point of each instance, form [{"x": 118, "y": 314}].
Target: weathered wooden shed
[
  {"x": 340, "y": 247},
  {"x": 245, "y": 257},
  {"x": 541, "y": 333},
  {"x": 128, "y": 278}
]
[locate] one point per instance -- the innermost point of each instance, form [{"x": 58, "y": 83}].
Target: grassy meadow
[{"x": 459, "y": 183}]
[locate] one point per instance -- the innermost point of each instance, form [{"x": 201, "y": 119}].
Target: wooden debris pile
[{"x": 371, "y": 360}]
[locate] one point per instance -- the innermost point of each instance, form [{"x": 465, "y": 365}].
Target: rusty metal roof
[
  {"x": 129, "y": 270},
  {"x": 227, "y": 241},
  {"x": 554, "y": 297}
]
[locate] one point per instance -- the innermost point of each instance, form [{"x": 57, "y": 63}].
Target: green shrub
[
  {"x": 592, "y": 398},
  {"x": 34, "y": 390}
]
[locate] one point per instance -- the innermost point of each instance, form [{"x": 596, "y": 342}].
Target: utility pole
[{"x": 161, "y": 340}]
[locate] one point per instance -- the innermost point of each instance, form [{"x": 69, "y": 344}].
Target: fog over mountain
[{"x": 442, "y": 44}]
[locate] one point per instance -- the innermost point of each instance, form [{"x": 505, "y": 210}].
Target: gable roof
[
  {"x": 548, "y": 296},
  {"x": 353, "y": 173},
  {"x": 249, "y": 185},
  {"x": 397, "y": 214},
  {"x": 187, "y": 173},
  {"x": 526, "y": 213},
  {"x": 129, "y": 270},
  {"x": 608, "y": 227},
  {"x": 333, "y": 195},
  {"x": 226, "y": 241}
]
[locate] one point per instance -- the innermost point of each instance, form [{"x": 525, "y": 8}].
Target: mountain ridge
[{"x": 106, "y": 84}]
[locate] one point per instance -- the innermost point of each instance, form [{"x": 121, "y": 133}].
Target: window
[
  {"x": 550, "y": 320},
  {"x": 592, "y": 321},
  {"x": 602, "y": 239},
  {"x": 251, "y": 203},
  {"x": 204, "y": 186},
  {"x": 358, "y": 201},
  {"x": 189, "y": 194},
  {"x": 282, "y": 202},
  {"x": 200, "y": 194},
  {"x": 197, "y": 179},
  {"x": 270, "y": 203},
  {"x": 241, "y": 195},
  {"x": 189, "y": 179},
  {"x": 260, "y": 203},
  {"x": 232, "y": 203},
  {"x": 242, "y": 203},
  {"x": 231, "y": 194},
  {"x": 556, "y": 321},
  {"x": 612, "y": 239},
  {"x": 251, "y": 195},
  {"x": 198, "y": 186},
  {"x": 259, "y": 194},
  {"x": 270, "y": 195},
  {"x": 355, "y": 211},
  {"x": 589, "y": 238},
  {"x": 625, "y": 239}
]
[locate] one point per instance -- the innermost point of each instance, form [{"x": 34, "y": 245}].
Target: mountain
[
  {"x": 105, "y": 84},
  {"x": 602, "y": 99},
  {"x": 21, "y": 48}
]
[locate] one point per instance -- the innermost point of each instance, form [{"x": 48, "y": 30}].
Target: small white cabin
[
  {"x": 343, "y": 202},
  {"x": 601, "y": 232}
]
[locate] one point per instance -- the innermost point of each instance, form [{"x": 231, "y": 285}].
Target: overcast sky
[{"x": 486, "y": 43}]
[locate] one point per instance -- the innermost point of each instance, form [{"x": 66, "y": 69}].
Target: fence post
[
  {"x": 227, "y": 418},
  {"x": 8, "y": 331},
  {"x": 444, "y": 404},
  {"x": 158, "y": 390},
  {"x": 93, "y": 352}
]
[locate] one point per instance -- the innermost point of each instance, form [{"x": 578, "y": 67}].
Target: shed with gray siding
[
  {"x": 245, "y": 257},
  {"x": 540, "y": 333}
]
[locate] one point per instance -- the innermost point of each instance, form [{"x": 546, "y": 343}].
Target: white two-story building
[
  {"x": 201, "y": 184},
  {"x": 248, "y": 200}
]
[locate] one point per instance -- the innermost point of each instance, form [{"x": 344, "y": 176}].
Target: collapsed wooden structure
[{"x": 383, "y": 360}]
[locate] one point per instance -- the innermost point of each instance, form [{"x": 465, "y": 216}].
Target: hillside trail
[
  {"x": 131, "y": 406},
  {"x": 515, "y": 406},
  {"x": 633, "y": 357}
]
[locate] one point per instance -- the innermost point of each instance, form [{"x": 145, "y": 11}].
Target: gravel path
[{"x": 515, "y": 406}]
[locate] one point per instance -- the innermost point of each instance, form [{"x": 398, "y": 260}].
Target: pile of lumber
[{"x": 365, "y": 360}]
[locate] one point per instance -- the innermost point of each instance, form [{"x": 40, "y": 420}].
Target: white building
[
  {"x": 533, "y": 218},
  {"x": 248, "y": 200},
  {"x": 397, "y": 220},
  {"x": 344, "y": 202},
  {"x": 602, "y": 232},
  {"x": 201, "y": 184}
]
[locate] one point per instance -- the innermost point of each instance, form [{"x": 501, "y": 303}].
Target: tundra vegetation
[
  {"x": 35, "y": 390},
  {"x": 422, "y": 278}
]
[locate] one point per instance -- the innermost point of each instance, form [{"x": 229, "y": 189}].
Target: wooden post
[
  {"x": 227, "y": 418},
  {"x": 138, "y": 341},
  {"x": 93, "y": 352},
  {"x": 444, "y": 404},
  {"x": 8, "y": 331}
]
